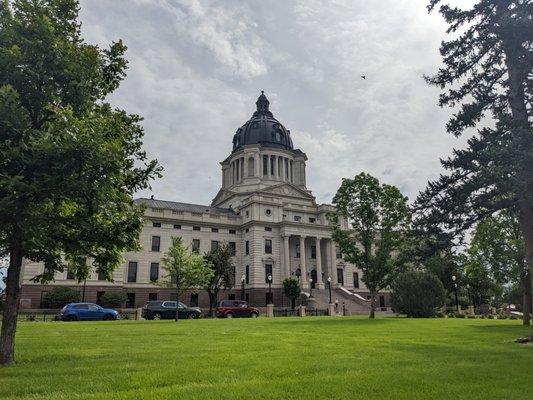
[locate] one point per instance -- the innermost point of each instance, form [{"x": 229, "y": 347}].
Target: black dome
[{"x": 262, "y": 129}]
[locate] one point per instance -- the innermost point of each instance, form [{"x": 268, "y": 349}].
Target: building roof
[{"x": 176, "y": 206}]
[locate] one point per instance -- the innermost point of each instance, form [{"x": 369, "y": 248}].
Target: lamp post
[
  {"x": 329, "y": 288},
  {"x": 243, "y": 279},
  {"x": 310, "y": 287},
  {"x": 269, "y": 289},
  {"x": 455, "y": 292}
]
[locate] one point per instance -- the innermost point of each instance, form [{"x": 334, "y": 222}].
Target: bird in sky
[{"x": 363, "y": 76}]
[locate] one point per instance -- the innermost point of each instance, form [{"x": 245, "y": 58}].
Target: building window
[
  {"x": 356, "y": 280},
  {"x": 286, "y": 168},
  {"x": 101, "y": 276},
  {"x": 313, "y": 252},
  {"x": 338, "y": 253},
  {"x": 132, "y": 271},
  {"x": 156, "y": 243},
  {"x": 232, "y": 232},
  {"x": 268, "y": 271},
  {"x": 382, "y": 301},
  {"x": 247, "y": 298},
  {"x": 195, "y": 228},
  {"x": 340, "y": 276},
  {"x": 265, "y": 165},
  {"x": 247, "y": 213},
  {"x": 268, "y": 300},
  {"x": 154, "y": 272},
  {"x": 268, "y": 212},
  {"x": 268, "y": 229},
  {"x": 297, "y": 251},
  {"x": 214, "y": 245},
  {"x": 231, "y": 296},
  {"x": 297, "y": 218},
  {"x": 196, "y": 245},
  {"x": 99, "y": 298},
  {"x": 177, "y": 226},
  {"x": 312, "y": 220},
  {"x": 268, "y": 246},
  {"x": 214, "y": 230},
  {"x": 43, "y": 294},
  {"x": 130, "y": 303},
  {"x": 247, "y": 230},
  {"x": 232, "y": 247},
  {"x": 152, "y": 296},
  {"x": 70, "y": 275},
  {"x": 156, "y": 224},
  {"x": 194, "y": 300},
  {"x": 272, "y": 163},
  {"x": 247, "y": 274},
  {"x": 247, "y": 247}
]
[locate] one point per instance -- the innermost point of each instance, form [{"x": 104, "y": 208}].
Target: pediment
[
  {"x": 222, "y": 195},
  {"x": 288, "y": 190}
]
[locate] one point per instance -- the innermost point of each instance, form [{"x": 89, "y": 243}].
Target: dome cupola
[{"x": 262, "y": 129}]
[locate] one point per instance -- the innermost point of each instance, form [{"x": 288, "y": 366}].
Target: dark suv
[
  {"x": 166, "y": 309},
  {"x": 236, "y": 308}
]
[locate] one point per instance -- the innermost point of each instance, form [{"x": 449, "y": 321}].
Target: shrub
[
  {"x": 459, "y": 315},
  {"x": 59, "y": 296},
  {"x": 113, "y": 299},
  {"x": 417, "y": 294}
]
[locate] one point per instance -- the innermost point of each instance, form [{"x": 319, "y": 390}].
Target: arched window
[{"x": 251, "y": 166}]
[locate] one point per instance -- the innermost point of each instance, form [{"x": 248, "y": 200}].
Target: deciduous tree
[
  {"x": 292, "y": 289},
  {"x": 220, "y": 260}
]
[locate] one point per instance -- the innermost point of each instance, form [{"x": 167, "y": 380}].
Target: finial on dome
[{"x": 262, "y": 103}]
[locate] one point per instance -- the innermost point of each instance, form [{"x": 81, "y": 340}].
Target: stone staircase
[{"x": 353, "y": 303}]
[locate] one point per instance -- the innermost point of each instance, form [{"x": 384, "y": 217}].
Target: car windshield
[{"x": 181, "y": 305}]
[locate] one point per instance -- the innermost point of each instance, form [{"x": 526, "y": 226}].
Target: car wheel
[
  {"x": 254, "y": 315},
  {"x": 71, "y": 318},
  {"x": 156, "y": 316},
  {"x": 108, "y": 317},
  {"x": 192, "y": 315},
  {"x": 229, "y": 315}
]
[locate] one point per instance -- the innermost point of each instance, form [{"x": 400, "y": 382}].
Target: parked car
[
  {"x": 87, "y": 312},
  {"x": 235, "y": 309},
  {"x": 158, "y": 309}
]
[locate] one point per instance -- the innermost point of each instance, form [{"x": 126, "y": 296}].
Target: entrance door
[
  {"x": 313, "y": 277},
  {"x": 340, "y": 276}
]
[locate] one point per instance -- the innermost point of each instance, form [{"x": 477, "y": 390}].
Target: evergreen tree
[
  {"x": 487, "y": 73},
  {"x": 69, "y": 163}
]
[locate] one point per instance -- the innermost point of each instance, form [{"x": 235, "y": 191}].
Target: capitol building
[{"x": 266, "y": 213}]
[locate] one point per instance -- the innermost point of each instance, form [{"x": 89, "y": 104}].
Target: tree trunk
[
  {"x": 9, "y": 322},
  {"x": 372, "y": 305},
  {"x": 213, "y": 296},
  {"x": 527, "y": 304}
]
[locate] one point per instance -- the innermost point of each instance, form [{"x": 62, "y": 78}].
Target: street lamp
[
  {"x": 243, "y": 279},
  {"x": 269, "y": 277},
  {"x": 310, "y": 287},
  {"x": 329, "y": 287},
  {"x": 455, "y": 292}
]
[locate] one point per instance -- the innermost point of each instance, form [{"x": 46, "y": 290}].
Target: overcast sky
[{"x": 197, "y": 67}]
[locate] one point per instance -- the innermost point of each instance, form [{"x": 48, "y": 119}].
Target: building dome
[{"x": 262, "y": 129}]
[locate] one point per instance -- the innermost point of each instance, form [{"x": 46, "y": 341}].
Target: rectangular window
[
  {"x": 177, "y": 226},
  {"x": 99, "y": 297},
  {"x": 312, "y": 220},
  {"x": 340, "y": 276},
  {"x": 194, "y": 300},
  {"x": 156, "y": 243},
  {"x": 356, "y": 280},
  {"x": 70, "y": 275},
  {"x": 247, "y": 246},
  {"x": 268, "y": 246},
  {"x": 313, "y": 252},
  {"x": 214, "y": 230},
  {"x": 247, "y": 298},
  {"x": 232, "y": 247},
  {"x": 152, "y": 296},
  {"x": 265, "y": 165},
  {"x": 268, "y": 229},
  {"x": 132, "y": 271},
  {"x": 195, "y": 228},
  {"x": 268, "y": 271},
  {"x": 382, "y": 301},
  {"x": 272, "y": 163},
  {"x": 232, "y": 232},
  {"x": 196, "y": 245},
  {"x": 338, "y": 253},
  {"x": 297, "y": 218},
  {"x": 214, "y": 245},
  {"x": 101, "y": 276},
  {"x": 286, "y": 168},
  {"x": 247, "y": 273},
  {"x": 130, "y": 303},
  {"x": 231, "y": 296},
  {"x": 156, "y": 224},
  {"x": 154, "y": 272}
]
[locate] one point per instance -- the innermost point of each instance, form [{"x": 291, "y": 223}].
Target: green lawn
[{"x": 283, "y": 358}]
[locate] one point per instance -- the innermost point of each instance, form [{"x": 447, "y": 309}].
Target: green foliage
[
  {"x": 292, "y": 289},
  {"x": 185, "y": 269},
  {"x": 220, "y": 261},
  {"x": 113, "y": 299},
  {"x": 417, "y": 294},
  {"x": 60, "y": 296},
  {"x": 370, "y": 224}
]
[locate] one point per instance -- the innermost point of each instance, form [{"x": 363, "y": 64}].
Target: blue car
[{"x": 87, "y": 312}]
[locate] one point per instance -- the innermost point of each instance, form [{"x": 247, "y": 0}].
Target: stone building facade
[{"x": 263, "y": 209}]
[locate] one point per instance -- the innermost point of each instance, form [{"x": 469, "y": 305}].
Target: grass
[{"x": 283, "y": 358}]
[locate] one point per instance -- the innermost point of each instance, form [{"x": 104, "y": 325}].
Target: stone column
[
  {"x": 303, "y": 267},
  {"x": 320, "y": 282},
  {"x": 257, "y": 158},
  {"x": 332, "y": 264},
  {"x": 269, "y": 160},
  {"x": 286, "y": 256},
  {"x": 275, "y": 167},
  {"x": 245, "y": 166}
]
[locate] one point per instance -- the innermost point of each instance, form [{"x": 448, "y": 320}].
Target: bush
[
  {"x": 59, "y": 296},
  {"x": 459, "y": 315},
  {"x": 113, "y": 299},
  {"x": 417, "y": 294}
]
